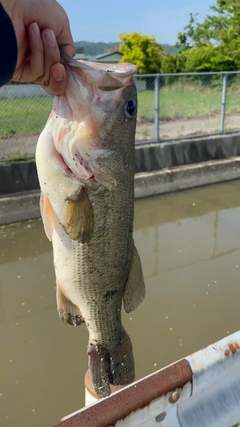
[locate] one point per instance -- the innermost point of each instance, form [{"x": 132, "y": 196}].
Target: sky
[{"x": 103, "y": 20}]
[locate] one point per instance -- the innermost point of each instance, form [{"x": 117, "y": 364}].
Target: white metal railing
[{"x": 202, "y": 390}]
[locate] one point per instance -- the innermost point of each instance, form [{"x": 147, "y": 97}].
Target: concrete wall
[
  {"x": 17, "y": 177},
  {"x": 160, "y": 168},
  {"x": 22, "y": 176},
  {"x": 154, "y": 157}
]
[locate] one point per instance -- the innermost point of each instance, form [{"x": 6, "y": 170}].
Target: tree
[
  {"x": 213, "y": 45},
  {"x": 218, "y": 28},
  {"x": 208, "y": 58},
  {"x": 141, "y": 50},
  {"x": 186, "y": 38},
  {"x": 174, "y": 63},
  {"x": 222, "y": 26}
]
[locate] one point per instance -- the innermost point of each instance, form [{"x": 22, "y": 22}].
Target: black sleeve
[{"x": 8, "y": 48}]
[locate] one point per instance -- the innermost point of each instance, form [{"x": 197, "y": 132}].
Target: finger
[
  {"x": 32, "y": 67},
  {"x": 58, "y": 80},
  {"x": 55, "y": 79},
  {"x": 51, "y": 55},
  {"x": 36, "y": 63}
]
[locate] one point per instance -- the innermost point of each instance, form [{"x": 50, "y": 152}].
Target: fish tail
[{"x": 111, "y": 366}]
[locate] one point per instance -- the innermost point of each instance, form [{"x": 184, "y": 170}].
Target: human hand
[{"x": 41, "y": 28}]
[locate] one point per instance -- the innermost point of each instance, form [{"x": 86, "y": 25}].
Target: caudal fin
[{"x": 111, "y": 366}]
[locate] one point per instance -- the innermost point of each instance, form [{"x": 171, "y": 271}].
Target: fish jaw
[
  {"x": 85, "y": 127},
  {"x": 122, "y": 70}
]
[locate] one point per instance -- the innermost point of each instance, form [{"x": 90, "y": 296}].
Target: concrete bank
[{"x": 160, "y": 169}]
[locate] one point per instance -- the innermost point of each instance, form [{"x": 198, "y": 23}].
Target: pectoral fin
[
  {"x": 134, "y": 292},
  {"x": 79, "y": 218}
]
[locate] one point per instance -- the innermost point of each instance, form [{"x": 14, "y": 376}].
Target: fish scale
[{"x": 86, "y": 173}]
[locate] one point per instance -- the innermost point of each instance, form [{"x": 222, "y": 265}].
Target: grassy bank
[
  {"x": 177, "y": 101},
  {"x": 23, "y": 116},
  {"x": 186, "y": 103}
]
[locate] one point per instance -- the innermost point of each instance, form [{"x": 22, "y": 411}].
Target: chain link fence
[
  {"x": 176, "y": 106},
  {"x": 24, "y": 109},
  {"x": 170, "y": 106}
]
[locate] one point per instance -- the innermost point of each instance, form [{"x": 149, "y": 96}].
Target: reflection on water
[{"x": 189, "y": 243}]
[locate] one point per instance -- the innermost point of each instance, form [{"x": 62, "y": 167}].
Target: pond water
[{"x": 189, "y": 243}]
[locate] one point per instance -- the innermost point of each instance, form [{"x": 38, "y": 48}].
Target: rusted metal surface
[
  {"x": 215, "y": 361},
  {"x": 163, "y": 409},
  {"x": 202, "y": 390},
  {"x": 140, "y": 394},
  {"x": 232, "y": 348},
  {"x": 215, "y": 400}
]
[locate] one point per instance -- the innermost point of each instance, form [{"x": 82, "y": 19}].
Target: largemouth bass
[{"x": 85, "y": 164}]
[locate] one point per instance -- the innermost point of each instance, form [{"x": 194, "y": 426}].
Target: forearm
[{"x": 8, "y": 47}]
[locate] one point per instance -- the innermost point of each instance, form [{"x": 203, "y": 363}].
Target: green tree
[
  {"x": 144, "y": 51},
  {"x": 218, "y": 28},
  {"x": 174, "y": 63},
  {"x": 213, "y": 45},
  {"x": 208, "y": 58},
  {"x": 221, "y": 27},
  {"x": 186, "y": 39}
]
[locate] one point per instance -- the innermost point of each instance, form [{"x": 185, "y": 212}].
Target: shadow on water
[{"x": 189, "y": 243}]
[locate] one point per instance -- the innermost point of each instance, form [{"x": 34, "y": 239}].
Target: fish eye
[{"x": 130, "y": 108}]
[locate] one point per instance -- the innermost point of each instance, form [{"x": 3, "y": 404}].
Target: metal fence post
[
  {"x": 224, "y": 98},
  {"x": 156, "y": 108}
]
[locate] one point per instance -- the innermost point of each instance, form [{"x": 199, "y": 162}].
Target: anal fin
[
  {"x": 134, "y": 292},
  {"x": 68, "y": 312},
  {"x": 78, "y": 220}
]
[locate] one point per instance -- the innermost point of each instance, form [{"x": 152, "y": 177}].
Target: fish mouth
[{"x": 122, "y": 70}]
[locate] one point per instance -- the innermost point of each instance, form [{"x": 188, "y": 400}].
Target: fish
[{"x": 85, "y": 166}]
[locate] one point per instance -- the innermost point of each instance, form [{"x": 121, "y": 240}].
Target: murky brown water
[{"x": 190, "y": 247}]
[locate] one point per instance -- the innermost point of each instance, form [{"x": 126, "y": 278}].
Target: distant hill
[
  {"x": 94, "y": 49},
  {"x": 170, "y": 49}
]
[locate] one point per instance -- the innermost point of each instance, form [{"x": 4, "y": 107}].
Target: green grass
[
  {"x": 187, "y": 103},
  {"x": 23, "y": 116},
  {"x": 181, "y": 100}
]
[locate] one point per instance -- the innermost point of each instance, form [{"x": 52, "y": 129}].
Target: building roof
[{"x": 105, "y": 55}]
